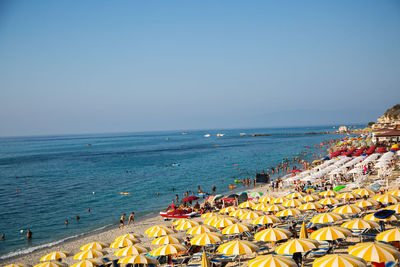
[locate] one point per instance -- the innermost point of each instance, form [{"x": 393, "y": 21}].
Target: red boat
[{"x": 173, "y": 212}]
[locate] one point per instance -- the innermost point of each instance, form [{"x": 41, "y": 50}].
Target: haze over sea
[{"x": 60, "y": 177}]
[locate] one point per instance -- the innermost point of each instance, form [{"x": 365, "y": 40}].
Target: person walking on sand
[
  {"x": 131, "y": 218},
  {"x": 121, "y": 221}
]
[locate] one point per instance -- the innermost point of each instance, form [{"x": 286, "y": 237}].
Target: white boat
[
  {"x": 207, "y": 135},
  {"x": 220, "y": 134},
  {"x": 242, "y": 134}
]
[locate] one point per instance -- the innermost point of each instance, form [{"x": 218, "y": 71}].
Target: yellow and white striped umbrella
[
  {"x": 310, "y": 198},
  {"x": 295, "y": 195},
  {"x": 357, "y": 224},
  {"x": 129, "y": 236},
  {"x": 366, "y": 203},
  {"x": 227, "y": 210},
  {"x": 387, "y": 199},
  {"x": 88, "y": 263},
  {"x": 348, "y": 196},
  {"x": 168, "y": 250},
  {"x": 247, "y": 204},
  {"x": 347, "y": 209},
  {"x": 328, "y": 201},
  {"x": 326, "y": 218},
  {"x": 237, "y": 247},
  {"x": 259, "y": 206},
  {"x": 88, "y": 254},
  {"x": 131, "y": 250},
  {"x": 274, "y": 208},
  {"x": 389, "y": 235},
  {"x": 14, "y": 265},
  {"x": 296, "y": 245},
  {"x": 186, "y": 225},
  {"x": 311, "y": 206},
  {"x": 54, "y": 256},
  {"x": 293, "y": 203},
  {"x": 330, "y": 233},
  {"x": 179, "y": 221},
  {"x": 272, "y": 235},
  {"x": 395, "y": 207},
  {"x": 279, "y": 200},
  {"x": 123, "y": 243},
  {"x": 266, "y": 219},
  {"x": 211, "y": 220},
  {"x": 364, "y": 192},
  {"x": 371, "y": 217},
  {"x": 50, "y": 264},
  {"x": 395, "y": 193},
  {"x": 266, "y": 199},
  {"x": 329, "y": 193},
  {"x": 237, "y": 213},
  {"x": 167, "y": 239},
  {"x": 154, "y": 228},
  {"x": 250, "y": 215},
  {"x": 208, "y": 215},
  {"x": 236, "y": 228},
  {"x": 272, "y": 260},
  {"x": 339, "y": 260},
  {"x": 206, "y": 239},
  {"x": 94, "y": 245},
  {"x": 200, "y": 229},
  {"x": 161, "y": 232},
  {"x": 138, "y": 259},
  {"x": 288, "y": 212},
  {"x": 224, "y": 222},
  {"x": 375, "y": 252}
]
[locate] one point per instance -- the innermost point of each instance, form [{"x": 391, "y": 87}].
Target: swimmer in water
[
  {"x": 66, "y": 223},
  {"x": 29, "y": 234}
]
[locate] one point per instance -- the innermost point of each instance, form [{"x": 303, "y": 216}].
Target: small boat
[
  {"x": 207, "y": 135},
  {"x": 125, "y": 193},
  {"x": 185, "y": 133},
  {"x": 220, "y": 134},
  {"x": 173, "y": 212},
  {"x": 242, "y": 134}
]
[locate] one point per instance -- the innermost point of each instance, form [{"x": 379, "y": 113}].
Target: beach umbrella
[
  {"x": 189, "y": 199},
  {"x": 330, "y": 233},
  {"x": 179, "y": 221},
  {"x": 154, "y": 228},
  {"x": 348, "y": 196},
  {"x": 129, "y": 236},
  {"x": 328, "y": 201},
  {"x": 310, "y": 198},
  {"x": 272, "y": 235},
  {"x": 296, "y": 245},
  {"x": 247, "y": 204},
  {"x": 131, "y": 250},
  {"x": 236, "y": 228},
  {"x": 366, "y": 203},
  {"x": 295, "y": 195},
  {"x": 94, "y": 245},
  {"x": 54, "y": 256},
  {"x": 211, "y": 220},
  {"x": 329, "y": 193},
  {"x": 357, "y": 224},
  {"x": 206, "y": 239},
  {"x": 161, "y": 232},
  {"x": 167, "y": 239},
  {"x": 123, "y": 243},
  {"x": 256, "y": 194},
  {"x": 186, "y": 225},
  {"x": 250, "y": 215},
  {"x": 310, "y": 206},
  {"x": 50, "y": 264},
  {"x": 266, "y": 199},
  {"x": 88, "y": 254},
  {"x": 303, "y": 231},
  {"x": 168, "y": 249},
  {"x": 272, "y": 260},
  {"x": 273, "y": 208},
  {"x": 266, "y": 219},
  {"x": 227, "y": 210},
  {"x": 259, "y": 206},
  {"x": 279, "y": 200},
  {"x": 205, "y": 262},
  {"x": 389, "y": 235},
  {"x": 395, "y": 207},
  {"x": 88, "y": 263},
  {"x": 288, "y": 212},
  {"x": 371, "y": 217},
  {"x": 347, "y": 209},
  {"x": 326, "y": 218},
  {"x": 200, "y": 229},
  {"x": 237, "y": 247},
  {"x": 237, "y": 213},
  {"x": 14, "y": 265},
  {"x": 224, "y": 222},
  {"x": 292, "y": 203},
  {"x": 395, "y": 193},
  {"x": 387, "y": 199},
  {"x": 375, "y": 252},
  {"x": 339, "y": 260},
  {"x": 208, "y": 215},
  {"x": 138, "y": 259},
  {"x": 364, "y": 192}
]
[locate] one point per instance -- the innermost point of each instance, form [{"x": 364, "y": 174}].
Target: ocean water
[{"x": 59, "y": 177}]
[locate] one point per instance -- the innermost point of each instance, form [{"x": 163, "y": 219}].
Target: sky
[{"x": 123, "y": 66}]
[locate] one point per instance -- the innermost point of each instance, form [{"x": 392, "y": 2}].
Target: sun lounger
[
  {"x": 390, "y": 264},
  {"x": 322, "y": 251}
]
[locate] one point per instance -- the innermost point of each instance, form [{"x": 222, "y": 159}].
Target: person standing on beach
[
  {"x": 131, "y": 218},
  {"x": 121, "y": 221}
]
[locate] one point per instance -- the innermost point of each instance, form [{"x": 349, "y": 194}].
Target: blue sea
[{"x": 45, "y": 180}]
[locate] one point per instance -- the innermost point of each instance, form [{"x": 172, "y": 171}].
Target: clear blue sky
[{"x": 110, "y": 66}]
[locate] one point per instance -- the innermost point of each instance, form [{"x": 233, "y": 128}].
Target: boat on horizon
[
  {"x": 207, "y": 135},
  {"x": 220, "y": 134}
]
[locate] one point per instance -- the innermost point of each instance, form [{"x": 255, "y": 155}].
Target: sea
[{"x": 45, "y": 180}]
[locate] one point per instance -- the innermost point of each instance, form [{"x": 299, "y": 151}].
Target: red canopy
[
  {"x": 189, "y": 198},
  {"x": 295, "y": 170}
]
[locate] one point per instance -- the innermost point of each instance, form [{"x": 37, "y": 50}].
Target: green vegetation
[{"x": 393, "y": 112}]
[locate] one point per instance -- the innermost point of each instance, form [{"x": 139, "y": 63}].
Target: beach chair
[{"x": 319, "y": 252}]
